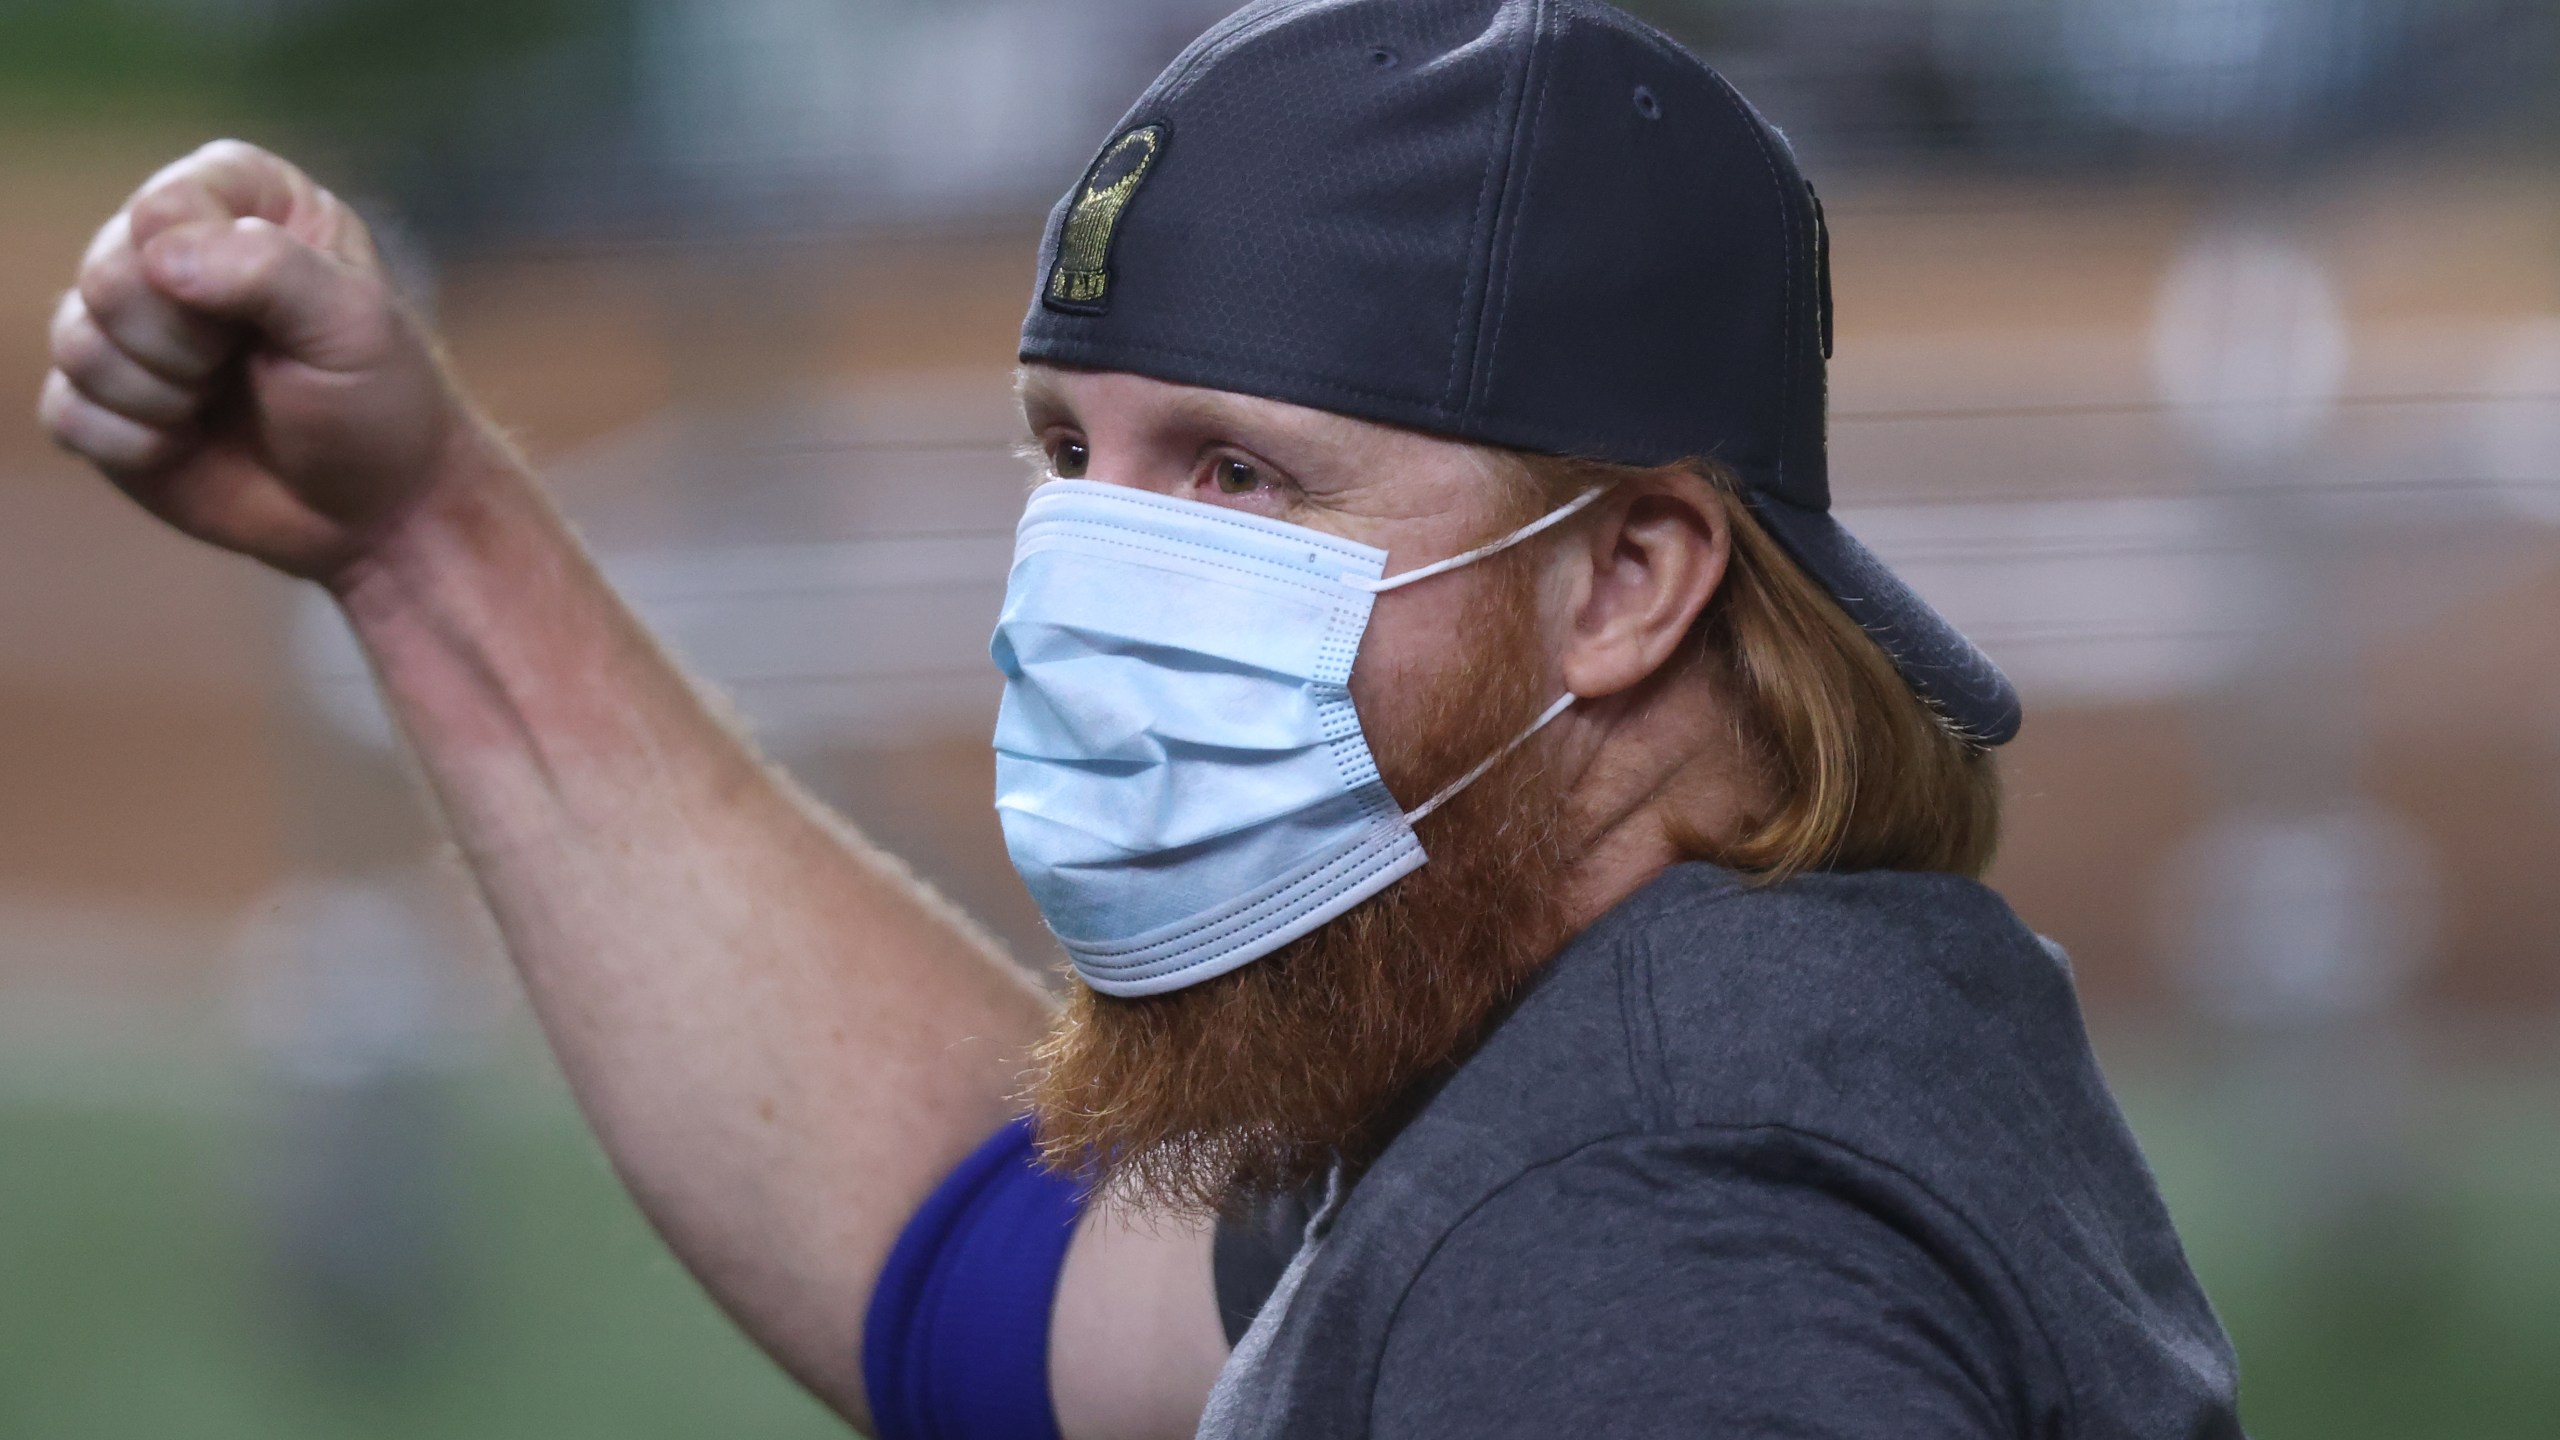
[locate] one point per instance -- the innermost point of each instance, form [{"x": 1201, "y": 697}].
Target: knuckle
[
  {"x": 230, "y": 150},
  {"x": 120, "y": 445},
  {"x": 106, "y": 378},
  {"x": 165, "y": 203},
  {"x": 115, "y": 234},
  {"x": 240, "y": 159},
  {"x": 111, "y": 282},
  {"x": 70, "y": 316},
  {"x": 79, "y": 426},
  {"x": 50, "y": 402},
  {"x": 80, "y": 351}
]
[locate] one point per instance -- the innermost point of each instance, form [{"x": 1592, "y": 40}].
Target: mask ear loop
[
  {"x": 1563, "y": 703},
  {"x": 1545, "y": 522}
]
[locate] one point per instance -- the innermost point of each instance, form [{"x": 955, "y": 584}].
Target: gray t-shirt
[{"x": 1829, "y": 1158}]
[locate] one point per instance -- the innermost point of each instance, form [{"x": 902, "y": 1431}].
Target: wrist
[
  {"x": 479, "y": 614},
  {"x": 452, "y": 516}
]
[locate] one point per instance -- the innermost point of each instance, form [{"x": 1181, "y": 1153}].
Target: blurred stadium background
[{"x": 2201, "y": 357}]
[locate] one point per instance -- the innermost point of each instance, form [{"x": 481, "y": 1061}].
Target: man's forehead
[{"x": 1051, "y": 394}]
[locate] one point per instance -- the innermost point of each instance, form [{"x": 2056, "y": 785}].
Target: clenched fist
[{"x": 234, "y": 359}]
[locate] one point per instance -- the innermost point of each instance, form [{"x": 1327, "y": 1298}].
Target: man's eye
[
  {"x": 1069, "y": 459},
  {"x": 1237, "y": 477}
]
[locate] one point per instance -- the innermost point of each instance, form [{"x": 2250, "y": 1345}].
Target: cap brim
[{"x": 1934, "y": 658}]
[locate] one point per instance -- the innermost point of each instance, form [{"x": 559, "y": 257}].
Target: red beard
[{"x": 1259, "y": 1080}]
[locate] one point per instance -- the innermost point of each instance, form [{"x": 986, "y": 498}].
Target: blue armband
[{"x": 956, "y": 1345}]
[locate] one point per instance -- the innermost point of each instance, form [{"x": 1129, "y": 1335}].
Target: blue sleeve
[{"x": 956, "y": 1346}]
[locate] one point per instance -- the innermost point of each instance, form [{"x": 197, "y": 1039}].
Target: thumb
[
  {"x": 311, "y": 306},
  {"x": 225, "y": 180}
]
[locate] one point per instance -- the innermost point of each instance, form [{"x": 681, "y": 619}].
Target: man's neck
[{"x": 1653, "y": 770}]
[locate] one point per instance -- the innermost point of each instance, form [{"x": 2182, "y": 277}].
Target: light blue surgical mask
[{"x": 1183, "y": 783}]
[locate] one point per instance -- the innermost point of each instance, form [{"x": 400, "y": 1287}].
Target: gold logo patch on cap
[{"x": 1081, "y": 279}]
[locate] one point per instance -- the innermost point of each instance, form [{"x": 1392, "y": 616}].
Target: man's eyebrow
[
  {"x": 1210, "y": 410},
  {"x": 1041, "y": 400}
]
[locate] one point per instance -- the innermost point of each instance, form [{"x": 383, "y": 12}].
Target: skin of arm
[{"x": 782, "y": 1038}]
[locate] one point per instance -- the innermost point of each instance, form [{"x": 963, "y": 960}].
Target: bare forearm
[{"x": 782, "y": 1040}]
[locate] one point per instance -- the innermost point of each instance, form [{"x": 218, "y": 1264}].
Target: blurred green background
[
  {"x": 140, "y": 1301},
  {"x": 141, "y": 1298}
]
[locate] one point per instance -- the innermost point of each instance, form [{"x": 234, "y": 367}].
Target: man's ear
[{"x": 1651, "y": 558}]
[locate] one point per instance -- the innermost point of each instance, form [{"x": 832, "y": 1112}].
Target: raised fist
[{"x": 233, "y": 359}]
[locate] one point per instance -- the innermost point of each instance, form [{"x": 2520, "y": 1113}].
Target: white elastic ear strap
[
  {"x": 1563, "y": 703},
  {"x": 1552, "y": 518}
]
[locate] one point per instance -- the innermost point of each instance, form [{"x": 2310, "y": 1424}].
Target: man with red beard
[{"x": 1513, "y": 846}]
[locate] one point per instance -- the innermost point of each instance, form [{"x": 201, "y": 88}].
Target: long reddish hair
[{"x": 1864, "y": 774}]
